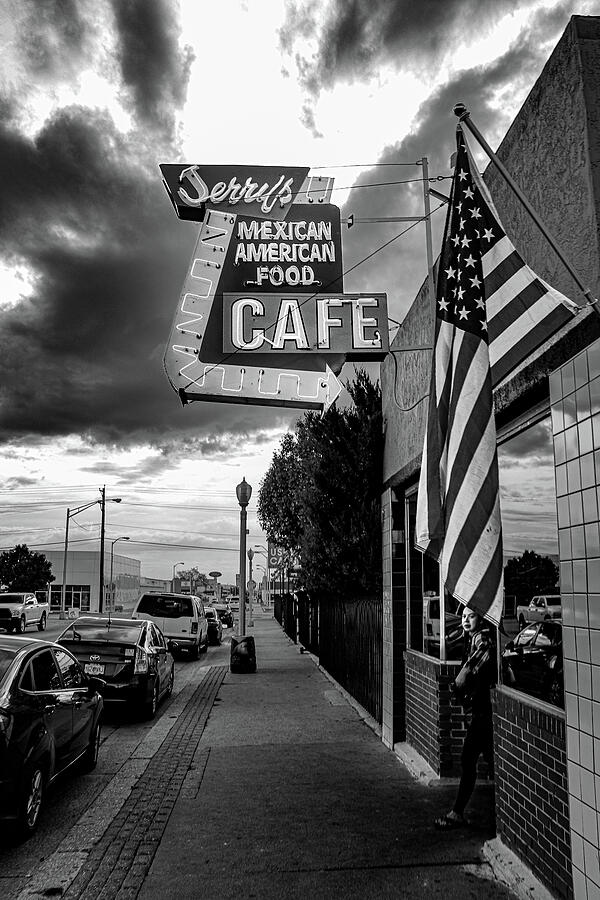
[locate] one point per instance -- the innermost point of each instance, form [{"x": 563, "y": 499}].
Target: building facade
[
  {"x": 82, "y": 583},
  {"x": 548, "y": 425}
]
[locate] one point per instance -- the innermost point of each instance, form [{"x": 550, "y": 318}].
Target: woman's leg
[{"x": 470, "y": 754}]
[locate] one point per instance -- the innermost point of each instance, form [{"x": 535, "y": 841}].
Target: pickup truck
[
  {"x": 543, "y": 606},
  {"x": 20, "y": 609}
]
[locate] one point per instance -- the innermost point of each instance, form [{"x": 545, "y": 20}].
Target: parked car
[
  {"x": 215, "y": 626},
  {"x": 533, "y": 662},
  {"x": 50, "y": 720},
  {"x": 225, "y": 614},
  {"x": 131, "y": 656},
  {"x": 543, "y": 606},
  {"x": 180, "y": 617},
  {"x": 19, "y": 609}
]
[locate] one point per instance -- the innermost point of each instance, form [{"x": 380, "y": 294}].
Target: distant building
[
  {"x": 82, "y": 581},
  {"x": 155, "y": 585}
]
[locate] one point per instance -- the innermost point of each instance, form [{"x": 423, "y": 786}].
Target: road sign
[
  {"x": 277, "y": 556},
  {"x": 214, "y": 574}
]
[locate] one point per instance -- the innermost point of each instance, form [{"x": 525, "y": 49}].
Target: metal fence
[{"x": 351, "y": 648}]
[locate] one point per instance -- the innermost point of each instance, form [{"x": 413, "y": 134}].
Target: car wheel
[
  {"x": 21, "y": 625},
  {"x": 169, "y": 690},
  {"x": 30, "y": 801},
  {"x": 195, "y": 652},
  {"x": 42, "y": 623},
  {"x": 90, "y": 757},
  {"x": 204, "y": 648},
  {"x": 152, "y": 704},
  {"x": 522, "y": 622}
]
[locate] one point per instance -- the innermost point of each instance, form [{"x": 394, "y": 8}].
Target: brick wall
[
  {"x": 435, "y": 724},
  {"x": 532, "y": 801}
]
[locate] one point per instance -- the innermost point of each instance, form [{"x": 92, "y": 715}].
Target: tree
[
  {"x": 530, "y": 574},
  {"x": 22, "y": 569},
  {"x": 320, "y": 499}
]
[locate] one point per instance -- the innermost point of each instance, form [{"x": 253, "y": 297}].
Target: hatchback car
[
  {"x": 180, "y": 617},
  {"x": 50, "y": 720},
  {"x": 130, "y": 656},
  {"x": 215, "y": 626},
  {"x": 533, "y": 662}
]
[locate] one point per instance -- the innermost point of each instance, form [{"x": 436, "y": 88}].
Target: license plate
[{"x": 93, "y": 669}]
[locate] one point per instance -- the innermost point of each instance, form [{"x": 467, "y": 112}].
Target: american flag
[{"x": 492, "y": 311}]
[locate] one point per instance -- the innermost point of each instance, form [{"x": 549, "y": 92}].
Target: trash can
[{"x": 243, "y": 654}]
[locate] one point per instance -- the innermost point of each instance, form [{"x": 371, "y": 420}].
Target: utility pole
[{"x": 102, "y": 520}]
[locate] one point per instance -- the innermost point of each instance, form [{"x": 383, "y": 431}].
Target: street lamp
[
  {"x": 250, "y": 555},
  {"x": 70, "y": 514},
  {"x": 112, "y": 589},
  {"x": 243, "y": 492},
  {"x": 173, "y": 578}
]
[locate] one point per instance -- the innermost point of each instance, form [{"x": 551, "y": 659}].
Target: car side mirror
[
  {"x": 510, "y": 645},
  {"x": 170, "y": 646}
]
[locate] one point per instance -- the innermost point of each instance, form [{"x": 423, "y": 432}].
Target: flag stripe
[
  {"x": 517, "y": 304},
  {"x": 510, "y": 264},
  {"x": 527, "y": 343}
]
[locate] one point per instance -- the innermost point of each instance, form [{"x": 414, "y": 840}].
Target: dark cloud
[
  {"x": 51, "y": 38},
  {"x": 400, "y": 268},
  {"x": 152, "y": 65},
  {"x": 354, "y": 37}
]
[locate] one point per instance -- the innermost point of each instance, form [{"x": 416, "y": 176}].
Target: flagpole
[{"x": 464, "y": 115}]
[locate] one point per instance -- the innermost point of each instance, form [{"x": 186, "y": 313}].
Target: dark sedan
[
  {"x": 131, "y": 656},
  {"x": 215, "y": 625},
  {"x": 533, "y": 662},
  {"x": 50, "y": 719}
]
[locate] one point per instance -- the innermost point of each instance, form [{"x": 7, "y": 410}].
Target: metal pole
[
  {"x": 101, "y": 585},
  {"x": 464, "y": 115},
  {"x": 250, "y": 588},
  {"x": 112, "y": 600},
  {"x": 242, "y": 618},
  {"x": 64, "y": 576}
]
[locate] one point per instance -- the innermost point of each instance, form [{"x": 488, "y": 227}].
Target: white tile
[
  {"x": 596, "y": 719},
  {"x": 570, "y": 669},
  {"x": 568, "y": 641},
  {"x": 593, "y": 891},
  {"x": 573, "y": 744},
  {"x": 590, "y": 826},
  {"x": 572, "y": 710},
  {"x": 595, "y": 681},
  {"x": 585, "y": 715},
  {"x": 582, "y": 638},
  {"x": 584, "y": 680},
  {"x": 576, "y": 815},
  {"x": 594, "y": 645},
  {"x": 592, "y": 864},
  {"x": 574, "y": 776},
  {"x": 588, "y": 787},
  {"x": 579, "y": 885},
  {"x": 586, "y": 751},
  {"x": 577, "y": 851}
]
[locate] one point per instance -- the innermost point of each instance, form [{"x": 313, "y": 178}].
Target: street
[{"x": 79, "y": 807}]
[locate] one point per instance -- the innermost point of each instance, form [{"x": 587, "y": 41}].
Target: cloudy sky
[{"x": 94, "y": 95}]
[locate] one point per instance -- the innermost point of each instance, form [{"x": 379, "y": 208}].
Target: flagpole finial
[{"x": 460, "y": 110}]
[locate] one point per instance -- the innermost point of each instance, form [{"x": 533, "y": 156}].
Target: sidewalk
[{"x": 273, "y": 787}]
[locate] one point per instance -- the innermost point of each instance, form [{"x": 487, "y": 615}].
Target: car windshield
[
  {"x": 121, "y": 632},
  {"x": 210, "y": 613},
  {"x": 6, "y": 657},
  {"x": 165, "y": 607},
  {"x": 11, "y": 598}
]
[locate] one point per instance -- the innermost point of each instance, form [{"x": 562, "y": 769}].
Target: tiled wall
[{"x": 575, "y": 401}]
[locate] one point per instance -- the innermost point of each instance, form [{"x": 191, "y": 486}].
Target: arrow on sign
[{"x": 197, "y": 379}]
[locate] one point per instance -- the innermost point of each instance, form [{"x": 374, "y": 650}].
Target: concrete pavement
[{"x": 273, "y": 786}]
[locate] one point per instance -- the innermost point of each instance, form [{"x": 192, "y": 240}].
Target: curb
[{"x": 511, "y": 871}]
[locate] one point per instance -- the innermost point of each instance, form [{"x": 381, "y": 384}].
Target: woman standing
[{"x": 472, "y": 687}]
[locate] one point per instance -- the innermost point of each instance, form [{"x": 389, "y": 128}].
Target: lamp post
[
  {"x": 264, "y": 552},
  {"x": 70, "y": 514},
  {"x": 173, "y": 578},
  {"x": 243, "y": 492},
  {"x": 250, "y": 555},
  {"x": 112, "y": 589}
]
